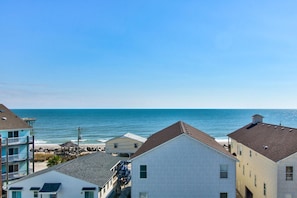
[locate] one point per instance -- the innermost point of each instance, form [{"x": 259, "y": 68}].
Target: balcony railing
[
  {"x": 17, "y": 140},
  {"x": 16, "y": 157},
  {"x": 15, "y": 175}
]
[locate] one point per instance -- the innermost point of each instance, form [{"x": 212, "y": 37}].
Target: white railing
[
  {"x": 16, "y": 140},
  {"x": 15, "y": 175},
  {"x": 16, "y": 157}
]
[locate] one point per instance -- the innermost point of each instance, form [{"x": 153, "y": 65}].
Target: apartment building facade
[
  {"x": 16, "y": 140},
  {"x": 267, "y": 159}
]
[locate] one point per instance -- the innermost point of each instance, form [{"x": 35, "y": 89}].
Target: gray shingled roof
[
  {"x": 8, "y": 120},
  {"x": 273, "y": 141},
  {"x": 175, "y": 130},
  {"x": 93, "y": 168}
]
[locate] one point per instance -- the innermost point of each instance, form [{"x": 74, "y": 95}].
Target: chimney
[{"x": 257, "y": 119}]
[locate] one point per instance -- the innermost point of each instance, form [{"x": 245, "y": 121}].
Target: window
[
  {"x": 16, "y": 194},
  {"x": 35, "y": 194},
  {"x": 13, "y": 151},
  {"x": 143, "y": 171},
  {"x": 12, "y": 134},
  {"x": 13, "y": 168},
  {"x": 224, "y": 171},
  {"x": 250, "y": 153},
  {"x": 143, "y": 195},
  {"x": 289, "y": 173},
  {"x": 135, "y": 145},
  {"x": 255, "y": 180},
  {"x": 53, "y": 196},
  {"x": 243, "y": 169},
  {"x": 239, "y": 149},
  {"x": 115, "y": 145},
  {"x": 264, "y": 189},
  {"x": 89, "y": 194},
  {"x": 224, "y": 195}
]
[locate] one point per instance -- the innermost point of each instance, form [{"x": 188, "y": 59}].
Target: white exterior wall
[
  {"x": 253, "y": 165},
  {"x": 70, "y": 187},
  {"x": 287, "y": 189},
  {"x": 124, "y": 145},
  {"x": 183, "y": 167}
]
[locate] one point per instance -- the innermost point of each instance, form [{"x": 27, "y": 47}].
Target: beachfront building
[
  {"x": 125, "y": 144},
  {"x": 89, "y": 176},
  {"x": 15, "y": 145},
  {"x": 267, "y": 159},
  {"x": 182, "y": 161}
]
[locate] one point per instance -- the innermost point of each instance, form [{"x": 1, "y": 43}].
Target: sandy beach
[{"x": 51, "y": 148}]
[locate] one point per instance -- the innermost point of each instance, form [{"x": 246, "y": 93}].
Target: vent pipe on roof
[{"x": 257, "y": 119}]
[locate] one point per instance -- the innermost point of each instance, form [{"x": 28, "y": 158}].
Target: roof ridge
[
  {"x": 183, "y": 127},
  {"x": 274, "y": 125}
]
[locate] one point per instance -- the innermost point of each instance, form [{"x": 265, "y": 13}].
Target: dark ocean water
[{"x": 60, "y": 125}]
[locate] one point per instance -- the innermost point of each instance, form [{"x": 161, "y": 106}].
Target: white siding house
[
  {"x": 126, "y": 144},
  {"x": 181, "y": 161},
  {"x": 90, "y": 176},
  {"x": 267, "y": 160}
]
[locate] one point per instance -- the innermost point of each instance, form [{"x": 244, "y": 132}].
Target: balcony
[
  {"x": 16, "y": 157},
  {"x": 17, "y": 140},
  {"x": 15, "y": 175}
]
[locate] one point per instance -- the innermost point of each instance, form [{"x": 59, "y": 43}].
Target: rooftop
[
  {"x": 131, "y": 136},
  {"x": 175, "y": 130},
  {"x": 94, "y": 168},
  {"x": 275, "y": 142},
  {"x": 8, "y": 120}
]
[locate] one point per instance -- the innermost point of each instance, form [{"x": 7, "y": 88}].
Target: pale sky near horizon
[{"x": 148, "y": 54}]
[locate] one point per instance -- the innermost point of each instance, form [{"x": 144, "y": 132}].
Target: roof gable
[
  {"x": 174, "y": 131},
  {"x": 135, "y": 137},
  {"x": 130, "y": 136},
  {"x": 273, "y": 141},
  {"x": 8, "y": 120}
]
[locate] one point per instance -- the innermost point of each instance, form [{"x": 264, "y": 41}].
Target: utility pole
[{"x": 78, "y": 139}]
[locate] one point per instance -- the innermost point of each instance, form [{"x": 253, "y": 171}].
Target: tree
[{"x": 54, "y": 160}]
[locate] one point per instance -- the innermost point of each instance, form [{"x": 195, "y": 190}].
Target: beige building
[
  {"x": 126, "y": 144},
  {"x": 267, "y": 157}
]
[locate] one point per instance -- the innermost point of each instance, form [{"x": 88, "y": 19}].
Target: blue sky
[{"x": 148, "y": 54}]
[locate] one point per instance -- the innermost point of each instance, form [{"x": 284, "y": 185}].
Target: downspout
[
  {"x": 28, "y": 156},
  {"x": 33, "y": 151},
  {"x": 229, "y": 146},
  {"x": 1, "y": 184},
  {"x": 6, "y": 164}
]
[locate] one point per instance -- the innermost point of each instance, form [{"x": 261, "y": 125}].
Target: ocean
[{"x": 55, "y": 126}]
